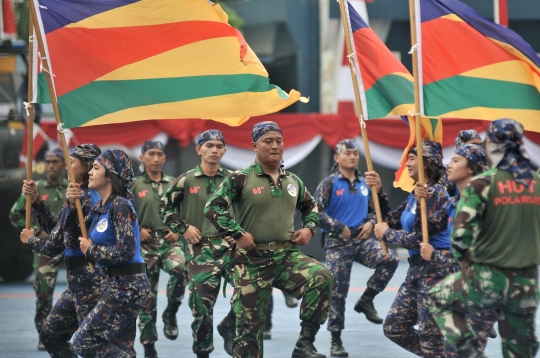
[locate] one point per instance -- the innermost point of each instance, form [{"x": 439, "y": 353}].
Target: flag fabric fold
[
  {"x": 385, "y": 85},
  {"x": 475, "y": 69},
  {"x": 126, "y": 60}
]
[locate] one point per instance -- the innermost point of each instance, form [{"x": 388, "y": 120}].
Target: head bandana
[
  {"x": 466, "y": 135},
  {"x": 211, "y": 134},
  {"x": 473, "y": 152},
  {"x": 345, "y": 144},
  {"x": 262, "y": 128},
  {"x": 87, "y": 152},
  {"x": 152, "y": 144},
  {"x": 55, "y": 152},
  {"x": 432, "y": 151},
  {"x": 117, "y": 162},
  {"x": 508, "y": 150}
]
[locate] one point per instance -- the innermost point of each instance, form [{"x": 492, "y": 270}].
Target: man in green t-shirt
[
  {"x": 496, "y": 239},
  {"x": 209, "y": 253},
  {"x": 265, "y": 197},
  {"x": 52, "y": 191},
  {"x": 160, "y": 248}
]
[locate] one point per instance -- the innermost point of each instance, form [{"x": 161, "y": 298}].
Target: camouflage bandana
[
  {"x": 432, "y": 151},
  {"x": 117, "y": 162},
  {"x": 55, "y": 152},
  {"x": 345, "y": 144},
  {"x": 211, "y": 134},
  {"x": 473, "y": 152},
  {"x": 262, "y": 128},
  {"x": 86, "y": 152},
  {"x": 152, "y": 144},
  {"x": 466, "y": 135},
  {"x": 508, "y": 149}
]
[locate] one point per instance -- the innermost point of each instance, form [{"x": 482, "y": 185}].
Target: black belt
[
  {"x": 75, "y": 262},
  {"x": 127, "y": 269}
]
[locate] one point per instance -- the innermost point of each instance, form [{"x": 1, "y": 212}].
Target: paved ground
[{"x": 361, "y": 338}]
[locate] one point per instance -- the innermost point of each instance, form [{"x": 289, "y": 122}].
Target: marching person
[
  {"x": 466, "y": 136},
  {"x": 160, "y": 248},
  {"x": 114, "y": 246},
  {"x": 496, "y": 239},
  {"x": 402, "y": 227},
  {"x": 344, "y": 203},
  {"x": 209, "y": 257},
  {"x": 83, "y": 289},
  {"x": 468, "y": 161},
  {"x": 52, "y": 192},
  {"x": 264, "y": 197}
]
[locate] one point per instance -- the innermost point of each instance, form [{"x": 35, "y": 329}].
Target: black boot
[
  {"x": 203, "y": 355},
  {"x": 304, "y": 346},
  {"x": 469, "y": 349},
  {"x": 169, "y": 319},
  {"x": 227, "y": 330},
  {"x": 267, "y": 334},
  {"x": 150, "y": 351},
  {"x": 337, "y": 349},
  {"x": 365, "y": 305}
]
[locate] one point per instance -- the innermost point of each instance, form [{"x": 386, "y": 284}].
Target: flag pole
[
  {"x": 54, "y": 102},
  {"x": 30, "y": 124},
  {"x": 417, "y": 118},
  {"x": 374, "y": 191}
]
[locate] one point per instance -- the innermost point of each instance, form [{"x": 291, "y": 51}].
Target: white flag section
[{"x": 35, "y": 64}]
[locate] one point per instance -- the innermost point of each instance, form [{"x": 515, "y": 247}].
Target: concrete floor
[{"x": 361, "y": 338}]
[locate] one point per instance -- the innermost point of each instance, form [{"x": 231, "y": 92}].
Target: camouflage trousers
[
  {"x": 410, "y": 308},
  {"x": 160, "y": 255},
  {"x": 480, "y": 288},
  {"x": 80, "y": 296},
  {"x": 109, "y": 329},
  {"x": 256, "y": 272},
  {"x": 339, "y": 256},
  {"x": 210, "y": 260},
  {"x": 45, "y": 272}
]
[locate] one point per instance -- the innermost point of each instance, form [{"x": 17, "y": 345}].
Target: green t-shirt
[{"x": 147, "y": 195}]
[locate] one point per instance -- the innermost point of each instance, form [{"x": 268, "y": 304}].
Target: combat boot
[
  {"x": 150, "y": 351},
  {"x": 169, "y": 320},
  {"x": 337, "y": 350},
  {"x": 365, "y": 305},
  {"x": 304, "y": 346},
  {"x": 469, "y": 349},
  {"x": 267, "y": 334},
  {"x": 203, "y": 355},
  {"x": 227, "y": 330}
]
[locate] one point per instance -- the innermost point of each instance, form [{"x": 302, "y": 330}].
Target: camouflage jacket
[{"x": 232, "y": 191}]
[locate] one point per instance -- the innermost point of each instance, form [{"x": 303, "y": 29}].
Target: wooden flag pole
[
  {"x": 30, "y": 126},
  {"x": 374, "y": 191},
  {"x": 417, "y": 119},
  {"x": 54, "y": 101}
]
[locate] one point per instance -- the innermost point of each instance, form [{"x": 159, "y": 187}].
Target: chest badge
[
  {"x": 291, "y": 189},
  {"x": 364, "y": 190},
  {"x": 340, "y": 192},
  {"x": 102, "y": 225}
]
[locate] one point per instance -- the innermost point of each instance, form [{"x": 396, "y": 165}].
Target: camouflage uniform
[
  {"x": 210, "y": 259},
  {"x": 110, "y": 328},
  {"x": 283, "y": 266},
  {"x": 45, "y": 267},
  {"x": 157, "y": 253},
  {"x": 340, "y": 254}
]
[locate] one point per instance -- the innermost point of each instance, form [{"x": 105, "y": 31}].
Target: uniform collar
[
  {"x": 103, "y": 208},
  {"x": 63, "y": 183},
  {"x": 147, "y": 180},
  {"x": 198, "y": 171},
  {"x": 357, "y": 175},
  {"x": 260, "y": 171}
]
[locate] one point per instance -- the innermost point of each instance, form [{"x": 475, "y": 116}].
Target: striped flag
[
  {"x": 125, "y": 60},
  {"x": 473, "y": 68}
]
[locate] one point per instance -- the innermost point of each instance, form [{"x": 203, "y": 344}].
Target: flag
[
  {"x": 385, "y": 85},
  {"x": 432, "y": 130},
  {"x": 121, "y": 61},
  {"x": 473, "y": 68},
  {"x": 39, "y": 138}
]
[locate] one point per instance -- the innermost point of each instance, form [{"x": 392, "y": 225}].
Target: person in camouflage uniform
[
  {"x": 209, "y": 254},
  {"x": 160, "y": 248},
  {"x": 264, "y": 197},
  {"x": 83, "y": 290},
  {"x": 52, "y": 191},
  {"x": 468, "y": 161},
  {"x": 402, "y": 227},
  {"x": 114, "y": 246},
  {"x": 347, "y": 217},
  {"x": 498, "y": 207}
]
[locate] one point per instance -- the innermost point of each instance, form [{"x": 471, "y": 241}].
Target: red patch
[
  {"x": 142, "y": 194},
  {"x": 194, "y": 190},
  {"x": 44, "y": 197},
  {"x": 258, "y": 190},
  {"x": 340, "y": 192}
]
